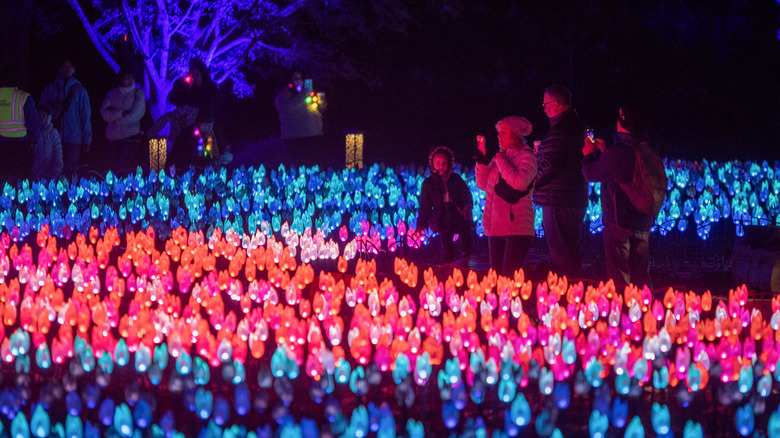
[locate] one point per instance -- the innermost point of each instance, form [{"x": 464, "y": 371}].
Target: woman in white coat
[
  {"x": 507, "y": 180},
  {"x": 123, "y": 108}
]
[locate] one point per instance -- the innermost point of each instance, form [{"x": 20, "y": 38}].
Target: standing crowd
[
  {"x": 53, "y": 136},
  {"x": 555, "y": 176}
]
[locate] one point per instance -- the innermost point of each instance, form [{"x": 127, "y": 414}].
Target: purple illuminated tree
[{"x": 232, "y": 36}]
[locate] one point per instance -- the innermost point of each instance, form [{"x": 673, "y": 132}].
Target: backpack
[
  {"x": 57, "y": 120},
  {"x": 647, "y": 188}
]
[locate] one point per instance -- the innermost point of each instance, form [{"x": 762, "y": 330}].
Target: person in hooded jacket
[
  {"x": 508, "y": 225},
  {"x": 445, "y": 204},
  {"x": 51, "y": 146},
  {"x": 71, "y": 114}
]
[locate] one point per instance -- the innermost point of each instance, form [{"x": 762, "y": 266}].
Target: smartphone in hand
[
  {"x": 589, "y": 135},
  {"x": 481, "y": 144}
]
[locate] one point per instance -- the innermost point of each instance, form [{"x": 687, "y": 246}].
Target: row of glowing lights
[
  {"x": 176, "y": 301},
  {"x": 699, "y": 195}
]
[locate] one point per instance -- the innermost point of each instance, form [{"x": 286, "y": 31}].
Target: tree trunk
[{"x": 158, "y": 98}]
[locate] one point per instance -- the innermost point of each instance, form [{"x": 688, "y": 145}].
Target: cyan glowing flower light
[
  {"x": 773, "y": 429},
  {"x": 40, "y": 424},
  {"x": 123, "y": 421},
  {"x": 660, "y": 419},
  {"x": 598, "y": 425},
  {"x": 19, "y": 426}
]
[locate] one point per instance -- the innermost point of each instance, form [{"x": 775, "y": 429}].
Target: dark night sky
[{"x": 707, "y": 73}]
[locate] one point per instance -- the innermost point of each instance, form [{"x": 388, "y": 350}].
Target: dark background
[{"x": 707, "y": 72}]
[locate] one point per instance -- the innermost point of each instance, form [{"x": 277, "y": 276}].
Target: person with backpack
[
  {"x": 70, "y": 114},
  {"x": 631, "y": 183}
]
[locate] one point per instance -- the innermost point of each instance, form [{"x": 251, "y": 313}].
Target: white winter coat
[
  {"x": 518, "y": 168},
  {"x": 123, "y": 109}
]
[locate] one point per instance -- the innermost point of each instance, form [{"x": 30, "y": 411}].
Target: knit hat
[{"x": 520, "y": 126}]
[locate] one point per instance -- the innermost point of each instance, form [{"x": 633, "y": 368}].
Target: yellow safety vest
[{"x": 12, "y": 112}]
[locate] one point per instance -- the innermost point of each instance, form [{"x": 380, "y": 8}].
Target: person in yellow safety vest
[{"x": 20, "y": 126}]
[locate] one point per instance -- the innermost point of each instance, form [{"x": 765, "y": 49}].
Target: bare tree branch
[
  {"x": 183, "y": 18},
  {"x": 233, "y": 35},
  {"x": 292, "y": 8},
  {"x": 97, "y": 39},
  {"x": 233, "y": 44},
  {"x": 133, "y": 26},
  {"x": 166, "y": 37}
]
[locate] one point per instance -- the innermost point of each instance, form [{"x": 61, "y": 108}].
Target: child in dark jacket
[
  {"x": 445, "y": 204},
  {"x": 51, "y": 145}
]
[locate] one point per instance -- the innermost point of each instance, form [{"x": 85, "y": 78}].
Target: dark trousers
[
  {"x": 562, "y": 227},
  {"x": 627, "y": 253},
  {"x": 448, "y": 244},
  {"x": 507, "y": 253},
  {"x": 123, "y": 154},
  {"x": 70, "y": 158}
]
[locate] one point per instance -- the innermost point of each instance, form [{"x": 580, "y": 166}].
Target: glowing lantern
[
  {"x": 158, "y": 153},
  {"x": 354, "y": 150}
]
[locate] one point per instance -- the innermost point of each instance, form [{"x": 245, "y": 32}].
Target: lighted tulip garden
[{"x": 249, "y": 303}]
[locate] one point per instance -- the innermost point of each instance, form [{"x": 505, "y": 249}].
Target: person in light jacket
[
  {"x": 123, "y": 108},
  {"x": 508, "y": 226},
  {"x": 71, "y": 114}
]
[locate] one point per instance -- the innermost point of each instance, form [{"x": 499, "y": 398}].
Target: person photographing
[
  {"x": 300, "y": 119},
  {"x": 633, "y": 186},
  {"x": 507, "y": 180}
]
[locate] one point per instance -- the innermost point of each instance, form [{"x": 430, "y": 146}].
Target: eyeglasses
[{"x": 544, "y": 104}]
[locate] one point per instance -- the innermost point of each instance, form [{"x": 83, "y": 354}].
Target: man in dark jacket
[
  {"x": 626, "y": 230},
  {"x": 560, "y": 188}
]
